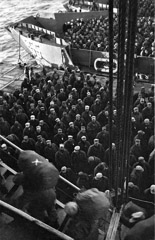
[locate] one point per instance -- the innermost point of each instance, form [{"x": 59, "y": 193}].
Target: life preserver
[{"x": 102, "y": 65}]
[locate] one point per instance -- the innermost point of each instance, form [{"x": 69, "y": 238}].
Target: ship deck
[{"x": 11, "y": 77}]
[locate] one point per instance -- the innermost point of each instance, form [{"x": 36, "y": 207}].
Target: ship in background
[{"x": 43, "y": 38}]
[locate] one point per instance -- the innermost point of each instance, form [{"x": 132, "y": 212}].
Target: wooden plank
[
  {"x": 112, "y": 222},
  {"x": 117, "y": 220},
  {"x": 112, "y": 230}
]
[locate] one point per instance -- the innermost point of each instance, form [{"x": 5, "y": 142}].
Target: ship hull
[{"x": 46, "y": 54}]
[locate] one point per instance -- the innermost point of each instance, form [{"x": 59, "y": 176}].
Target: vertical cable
[
  {"x": 133, "y": 9},
  {"x": 120, "y": 78},
  {"x": 19, "y": 57},
  {"x": 110, "y": 90}
]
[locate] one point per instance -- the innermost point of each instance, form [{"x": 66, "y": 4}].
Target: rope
[
  {"x": 133, "y": 9},
  {"x": 126, "y": 108},
  {"x": 110, "y": 89},
  {"x": 19, "y": 57},
  {"x": 120, "y": 77}
]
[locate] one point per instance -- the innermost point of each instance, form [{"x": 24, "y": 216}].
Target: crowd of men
[
  {"x": 64, "y": 117},
  {"x": 93, "y": 34}
]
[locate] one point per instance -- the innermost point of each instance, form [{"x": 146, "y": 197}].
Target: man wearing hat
[
  {"x": 69, "y": 144},
  {"x": 58, "y": 124},
  {"x": 79, "y": 121},
  {"x": 80, "y": 106},
  {"x": 148, "y": 111},
  {"x": 62, "y": 157},
  {"x": 63, "y": 108},
  {"x": 28, "y": 130},
  {"x": 68, "y": 174},
  {"x": 78, "y": 160},
  {"x": 72, "y": 130},
  {"x": 38, "y": 95},
  {"x": 39, "y": 131},
  {"x": 72, "y": 113},
  {"x": 87, "y": 114},
  {"x": 6, "y": 155},
  {"x": 72, "y": 78},
  {"x": 84, "y": 144},
  {"x": 28, "y": 143},
  {"x": 59, "y": 137},
  {"x": 100, "y": 182},
  {"x": 137, "y": 177},
  {"x": 85, "y": 212},
  {"x": 81, "y": 133},
  {"x": 84, "y": 90},
  {"x": 33, "y": 121},
  {"x": 133, "y": 190},
  {"x": 96, "y": 150},
  {"x": 93, "y": 128},
  {"x": 103, "y": 137},
  {"x": 149, "y": 193},
  {"x": 103, "y": 117},
  {"x": 50, "y": 151},
  {"x": 88, "y": 100},
  {"x": 38, "y": 178},
  {"x": 136, "y": 149},
  {"x": 96, "y": 108},
  {"x": 143, "y": 230},
  {"x": 145, "y": 165}
]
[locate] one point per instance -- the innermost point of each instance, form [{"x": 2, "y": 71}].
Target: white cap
[
  {"x": 63, "y": 169},
  {"x": 71, "y": 208},
  {"x": 152, "y": 189},
  {"x": 83, "y": 137},
  {"x": 77, "y": 148},
  {"x": 4, "y": 146},
  {"x": 98, "y": 176},
  {"x": 139, "y": 168},
  {"x": 61, "y": 145},
  {"x": 57, "y": 119},
  {"x": 87, "y": 107}
]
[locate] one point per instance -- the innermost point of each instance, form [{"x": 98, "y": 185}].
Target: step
[{"x": 3, "y": 171}]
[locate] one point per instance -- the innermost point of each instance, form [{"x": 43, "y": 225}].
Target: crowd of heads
[
  {"x": 93, "y": 34},
  {"x": 64, "y": 116}
]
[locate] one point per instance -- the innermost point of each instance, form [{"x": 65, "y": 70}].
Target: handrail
[
  {"x": 7, "y": 167},
  {"x": 142, "y": 201},
  {"x": 34, "y": 220},
  {"x": 11, "y": 143},
  {"x": 21, "y": 150}
]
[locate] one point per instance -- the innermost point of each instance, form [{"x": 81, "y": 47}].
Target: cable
[
  {"x": 132, "y": 20},
  {"x": 120, "y": 78},
  {"x": 110, "y": 90}
]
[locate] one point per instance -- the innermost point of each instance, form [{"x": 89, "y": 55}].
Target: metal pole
[
  {"x": 69, "y": 183},
  {"x": 12, "y": 144}
]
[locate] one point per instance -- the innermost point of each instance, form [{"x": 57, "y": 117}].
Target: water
[{"x": 13, "y": 11}]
